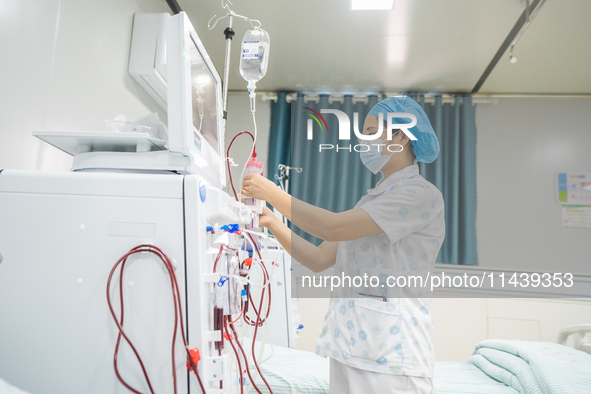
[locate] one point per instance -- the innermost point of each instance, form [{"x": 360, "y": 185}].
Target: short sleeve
[{"x": 405, "y": 210}]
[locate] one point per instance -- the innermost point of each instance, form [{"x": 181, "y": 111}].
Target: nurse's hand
[
  {"x": 257, "y": 186},
  {"x": 267, "y": 218}
]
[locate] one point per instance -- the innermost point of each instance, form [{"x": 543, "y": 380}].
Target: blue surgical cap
[{"x": 426, "y": 147}]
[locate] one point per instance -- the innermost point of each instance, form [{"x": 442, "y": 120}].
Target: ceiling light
[{"x": 357, "y": 5}]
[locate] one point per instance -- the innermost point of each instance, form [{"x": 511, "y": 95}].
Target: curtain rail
[{"x": 429, "y": 99}]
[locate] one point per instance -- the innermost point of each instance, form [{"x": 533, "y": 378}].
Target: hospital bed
[{"x": 496, "y": 367}]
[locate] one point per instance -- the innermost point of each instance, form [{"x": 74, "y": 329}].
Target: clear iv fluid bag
[{"x": 255, "y": 55}]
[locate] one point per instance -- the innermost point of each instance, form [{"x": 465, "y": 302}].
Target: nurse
[{"x": 378, "y": 343}]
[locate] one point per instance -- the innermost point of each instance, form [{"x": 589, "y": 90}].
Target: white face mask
[{"x": 373, "y": 158}]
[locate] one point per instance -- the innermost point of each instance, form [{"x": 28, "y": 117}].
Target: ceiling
[{"x": 431, "y": 46}]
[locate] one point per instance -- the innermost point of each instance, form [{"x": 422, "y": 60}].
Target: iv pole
[{"x": 229, "y": 34}]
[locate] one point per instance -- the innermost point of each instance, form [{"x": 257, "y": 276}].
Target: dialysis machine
[{"x": 112, "y": 274}]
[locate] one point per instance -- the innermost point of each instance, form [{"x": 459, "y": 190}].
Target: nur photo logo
[{"x": 344, "y": 129}]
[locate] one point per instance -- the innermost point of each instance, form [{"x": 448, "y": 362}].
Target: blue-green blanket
[{"x": 534, "y": 367}]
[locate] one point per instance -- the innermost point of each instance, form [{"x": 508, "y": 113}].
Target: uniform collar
[{"x": 388, "y": 183}]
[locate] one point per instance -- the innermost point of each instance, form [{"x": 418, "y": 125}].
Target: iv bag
[{"x": 255, "y": 55}]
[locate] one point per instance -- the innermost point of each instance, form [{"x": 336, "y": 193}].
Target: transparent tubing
[{"x": 254, "y": 120}]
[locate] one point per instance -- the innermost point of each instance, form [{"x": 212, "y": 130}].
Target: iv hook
[
  {"x": 255, "y": 23},
  {"x": 283, "y": 168}
]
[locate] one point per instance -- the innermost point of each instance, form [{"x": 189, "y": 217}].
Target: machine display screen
[{"x": 203, "y": 94}]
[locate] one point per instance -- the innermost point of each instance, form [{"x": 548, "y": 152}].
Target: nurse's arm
[
  {"x": 316, "y": 258},
  {"x": 352, "y": 224},
  {"x": 319, "y": 222},
  {"x": 334, "y": 227}
]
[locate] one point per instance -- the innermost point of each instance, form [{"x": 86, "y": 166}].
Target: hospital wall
[
  {"x": 64, "y": 67},
  {"x": 521, "y": 144}
]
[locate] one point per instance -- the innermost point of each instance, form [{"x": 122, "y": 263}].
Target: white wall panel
[
  {"x": 521, "y": 144},
  {"x": 27, "y": 39},
  {"x": 65, "y": 68}
]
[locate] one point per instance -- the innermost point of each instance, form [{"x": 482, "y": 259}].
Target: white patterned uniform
[{"x": 393, "y": 336}]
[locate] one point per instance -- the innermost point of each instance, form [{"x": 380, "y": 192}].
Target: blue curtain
[
  {"x": 454, "y": 173},
  {"x": 280, "y": 136},
  {"x": 335, "y": 179}
]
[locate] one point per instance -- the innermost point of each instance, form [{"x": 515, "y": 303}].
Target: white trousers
[{"x": 348, "y": 380}]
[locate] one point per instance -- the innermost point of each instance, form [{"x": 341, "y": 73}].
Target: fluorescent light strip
[{"x": 358, "y": 5}]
